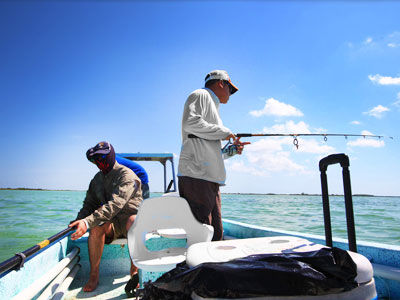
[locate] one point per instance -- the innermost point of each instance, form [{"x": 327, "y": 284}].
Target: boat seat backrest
[{"x": 164, "y": 213}]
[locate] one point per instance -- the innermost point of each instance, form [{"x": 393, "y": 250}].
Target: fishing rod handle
[
  {"x": 244, "y": 134},
  {"x": 192, "y": 136}
]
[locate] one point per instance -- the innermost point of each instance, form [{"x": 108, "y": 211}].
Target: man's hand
[
  {"x": 80, "y": 229},
  {"x": 231, "y": 136},
  {"x": 239, "y": 144}
]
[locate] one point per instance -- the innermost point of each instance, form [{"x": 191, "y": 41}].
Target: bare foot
[{"x": 92, "y": 283}]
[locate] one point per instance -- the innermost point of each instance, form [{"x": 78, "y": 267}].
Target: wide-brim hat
[{"x": 221, "y": 75}]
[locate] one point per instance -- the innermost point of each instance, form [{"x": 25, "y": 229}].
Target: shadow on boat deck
[{"x": 110, "y": 287}]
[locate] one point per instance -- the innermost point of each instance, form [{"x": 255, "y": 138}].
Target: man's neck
[{"x": 214, "y": 96}]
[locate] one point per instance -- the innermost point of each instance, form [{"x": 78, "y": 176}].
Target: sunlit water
[{"x": 28, "y": 217}]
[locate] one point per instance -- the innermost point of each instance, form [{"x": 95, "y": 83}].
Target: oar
[{"x": 18, "y": 259}]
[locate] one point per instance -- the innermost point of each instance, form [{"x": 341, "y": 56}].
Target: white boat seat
[
  {"x": 121, "y": 241},
  {"x": 223, "y": 251},
  {"x": 168, "y": 216},
  {"x": 173, "y": 233}
]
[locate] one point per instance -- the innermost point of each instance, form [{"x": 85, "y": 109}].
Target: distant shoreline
[
  {"x": 269, "y": 194},
  {"x": 305, "y": 194},
  {"x": 32, "y": 189}
]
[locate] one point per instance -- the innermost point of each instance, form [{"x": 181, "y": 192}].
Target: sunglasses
[
  {"x": 99, "y": 152},
  {"x": 229, "y": 86},
  {"x": 97, "y": 157}
]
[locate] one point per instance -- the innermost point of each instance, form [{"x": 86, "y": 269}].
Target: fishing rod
[
  {"x": 18, "y": 259},
  {"x": 295, "y": 135}
]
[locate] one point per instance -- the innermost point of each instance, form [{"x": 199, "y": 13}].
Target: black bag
[{"x": 326, "y": 271}]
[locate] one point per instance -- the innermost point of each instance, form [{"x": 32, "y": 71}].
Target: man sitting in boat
[{"x": 109, "y": 208}]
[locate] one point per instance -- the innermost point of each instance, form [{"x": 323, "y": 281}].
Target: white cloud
[
  {"x": 377, "y": 111},
  {"x": 393, "y": 40},
  {"x": 264, "y": 155},
  {"x": 288, "y": 127},
  {"x": 384, "y": 80},
  {"x": 376, "y": 45},
  {"x": 313, "y": 146},
  {"x": 274, "y": 154},
  {"x": 239, "y": 166},
  {"x": 397, "y": 103},
  {"x": 366, "y": 142},
  {"x": 355, "y": 122},
  {"x": 366, "y": 132},
  {"x": 393, "y": 45},
  {"x": 292, "y": 127},
  {"x": 305, "y": 144},
  {"x": 379, "y": 43},
  {"x": 368, "y": 41},
  {"x": 274, "y": 107}
]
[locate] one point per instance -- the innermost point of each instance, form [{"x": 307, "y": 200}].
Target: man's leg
[
  {"x": 202, "y": 196},
  {"x": 96, "y": 242},
  {"x": 216, "y": 221},
  {"x": 129, "y": 223}
]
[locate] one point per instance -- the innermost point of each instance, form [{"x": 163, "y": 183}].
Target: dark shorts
[
  {"x": 204, "y": 199},
  {"x": 118, "y": 225}
]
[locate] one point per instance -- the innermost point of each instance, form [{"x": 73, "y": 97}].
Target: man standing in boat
[
  {"x": 201, "y": 167},
  {"x": 110, "y": 206}
]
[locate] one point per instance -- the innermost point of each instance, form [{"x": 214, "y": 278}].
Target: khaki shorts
[{"x": 118, "y": 225}]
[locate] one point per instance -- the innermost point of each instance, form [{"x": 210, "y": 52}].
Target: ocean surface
[{"x": 28, "y": 217}]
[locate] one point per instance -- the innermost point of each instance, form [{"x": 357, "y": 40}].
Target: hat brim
[{"x": 234, "y": 89}]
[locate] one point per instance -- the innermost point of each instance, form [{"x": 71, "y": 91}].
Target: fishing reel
[{"x": 230, "y": 148}]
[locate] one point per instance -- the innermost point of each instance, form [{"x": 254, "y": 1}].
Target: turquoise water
[{"x": 28, "y": 217}]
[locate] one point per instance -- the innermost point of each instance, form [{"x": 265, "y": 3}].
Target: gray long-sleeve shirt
[
  {"x": 119, "y": 191},
  {"x": 201, "y": 157}
]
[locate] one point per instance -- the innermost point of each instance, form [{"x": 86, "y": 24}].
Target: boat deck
[{"x": 110, "y": 287}]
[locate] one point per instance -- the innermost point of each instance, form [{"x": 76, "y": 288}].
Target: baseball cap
[
  {"x": 101, "y": 149},
  {"x": 103, "y": 156},
  {"x": 221, "y": 75}
]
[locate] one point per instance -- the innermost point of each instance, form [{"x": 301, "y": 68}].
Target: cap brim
[{"x": 233, "y": 87}]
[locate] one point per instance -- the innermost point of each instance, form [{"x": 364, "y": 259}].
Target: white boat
[{"x": 57, "y": 268}]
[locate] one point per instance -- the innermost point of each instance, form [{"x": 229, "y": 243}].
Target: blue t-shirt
[{"x": 135, "y": 167}]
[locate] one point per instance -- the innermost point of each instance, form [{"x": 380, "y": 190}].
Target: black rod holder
[{"x": 343, "y": 159}]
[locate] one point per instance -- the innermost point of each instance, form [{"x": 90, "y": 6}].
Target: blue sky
[{"x": 74, "y": 73}]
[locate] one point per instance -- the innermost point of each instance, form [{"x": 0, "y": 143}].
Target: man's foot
[
  {"x": 132, "y": 285},
  {"x": 134, "y": 274},
  {"x": 92, "y": 283}
]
